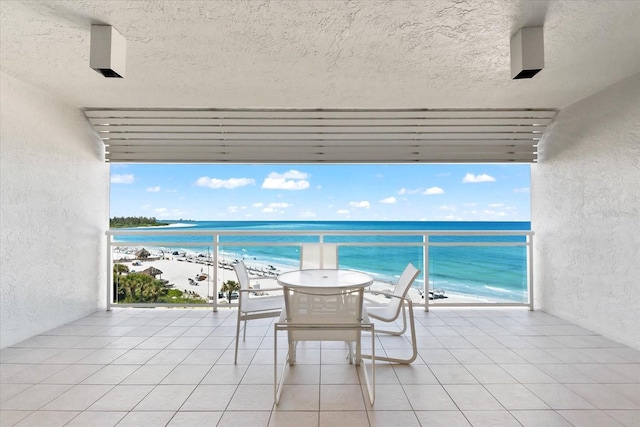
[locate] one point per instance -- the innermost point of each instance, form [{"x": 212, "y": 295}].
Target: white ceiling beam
[{"x": 302, "y": 136}]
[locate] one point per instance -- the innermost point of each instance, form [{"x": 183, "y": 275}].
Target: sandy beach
[{"x": 183, "y": 273}]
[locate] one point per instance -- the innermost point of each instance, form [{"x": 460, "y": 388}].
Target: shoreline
[{"x": 182, "y": 271}]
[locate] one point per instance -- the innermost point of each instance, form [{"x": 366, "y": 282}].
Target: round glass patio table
[{"x": 338, "y": 279}]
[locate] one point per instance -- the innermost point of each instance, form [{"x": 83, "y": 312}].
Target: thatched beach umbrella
[
  {"x": 143, "y": 254},
  {"x": 152, "y": 271}
]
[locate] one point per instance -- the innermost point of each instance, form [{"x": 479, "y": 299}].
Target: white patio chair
[
  {"x": 390, "y": 312},
  {"x": 323, "y": 314},
  {"x": 318, "y": 255},
  {"x": 250, "y": 308}
]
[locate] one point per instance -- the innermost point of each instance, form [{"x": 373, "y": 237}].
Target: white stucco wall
[
  {"x": 585, "y": 194},
  {"x": 54, "y": 211}
]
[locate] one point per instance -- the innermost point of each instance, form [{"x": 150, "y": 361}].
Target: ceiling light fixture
[
  {"x": 527, "y": 53},
  {"x": 108, "y": 51}
]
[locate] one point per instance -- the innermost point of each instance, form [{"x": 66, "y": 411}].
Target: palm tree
[
  {"x": 138, "y": 287},
  {"x": 118, "y": 271},
  {"x": 229, "y": 287},
  {"x": 152, "y": 290}
]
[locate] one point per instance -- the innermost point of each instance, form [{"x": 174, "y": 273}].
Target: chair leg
[
  {"x": 235, "y": 358},
  {"x": 370, "y": 381},
  {"x": 414, "y": 343},
  {"x": 291, "y": 357},
  {"x": 277, "y": 383},
  {"x": 401, "y": 331}
]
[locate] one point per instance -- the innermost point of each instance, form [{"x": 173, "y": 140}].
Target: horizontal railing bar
[
  {"x": 477, "y": 304},
  {"x": 114, "y": 232},
  {"x": 164, "y": 304},
  {"x": 116, "y": 243},
  {"x": 478, "y": 244},
  {"x": 364, "y": 244}
]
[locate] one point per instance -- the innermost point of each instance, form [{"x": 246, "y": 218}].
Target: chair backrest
[
  {"x": 402, "y": 287},
  {"x": 318, "y": 255},
  {"x": 319, "y": 310},
  {"x": 243, "y": 279}
]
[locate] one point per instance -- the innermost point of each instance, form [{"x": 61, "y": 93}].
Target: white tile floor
[{"x": 174, "y": 367}]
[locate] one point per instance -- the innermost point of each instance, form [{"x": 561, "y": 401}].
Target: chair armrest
[
  {"x": 265, "y": 278},
  {"x": 387, "y": 295},
  {"x": 259, "y": 290}
]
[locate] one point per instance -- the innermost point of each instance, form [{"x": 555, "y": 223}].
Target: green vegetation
[
  {"x": 229, "y": 287},
  {"x": 141, "y": 288},
  {"x": 134, "y": 221}
]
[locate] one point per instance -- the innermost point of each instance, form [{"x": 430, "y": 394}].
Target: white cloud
[
  {"x": 362, "y": 204},
  {"x": 155, "y": 189},
  {"x": 406, "y": 191},
  {"x": 521, "y": 190},
  {"x": 389, "y": 200},
  {"x": 275, "y": 207},
  {"x": 493, "y": 213},
  {"x": 257, "y": 205},
  {"x": 307, "y": 214},
  {"x": 496, "y": 205},
  {"x": 483, "y": 177},
  {"x": 433, "y": 191},
  {"x": 292, "y": 174},
  {"x": 229, "y": 184},
  {"x": 449, "y": 208},
  {"x": 343, "y": 212},
  {"x": 290, "y": 180},
  {"x": 122, "y": 179},
  {"x": 169, "y": 213}
]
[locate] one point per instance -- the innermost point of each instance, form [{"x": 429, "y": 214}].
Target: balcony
[
  {"x": 166, "y": 366},
  {"x": 459, "y": 268}
]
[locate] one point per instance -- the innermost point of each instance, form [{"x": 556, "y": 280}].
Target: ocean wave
[
  {"x": 180, "y": 225},
  {"x": 492, "y": 288}
]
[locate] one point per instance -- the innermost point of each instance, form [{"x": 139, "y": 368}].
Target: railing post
[
  {"x": 530, "y": 269},
  {"x": 425, "y": 262},
  {"x": 216, "y": 241},
  {"x": 109, "y": 271}
]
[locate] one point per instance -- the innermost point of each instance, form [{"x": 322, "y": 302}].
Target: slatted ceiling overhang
[{"x": 316, "y": 136}]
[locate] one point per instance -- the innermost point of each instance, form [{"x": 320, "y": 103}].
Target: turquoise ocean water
[{"x": 492, "y": 273}]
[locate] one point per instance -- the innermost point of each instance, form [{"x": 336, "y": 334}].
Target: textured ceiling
[{"x": 321, "y": 54}]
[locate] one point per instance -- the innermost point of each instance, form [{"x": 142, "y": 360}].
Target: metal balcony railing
[{"x": 190, "y": 268}]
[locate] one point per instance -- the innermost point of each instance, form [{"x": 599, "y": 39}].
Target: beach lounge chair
[
  {"x": 253, "y": 308},
  {"x": 390, "y": 312}
]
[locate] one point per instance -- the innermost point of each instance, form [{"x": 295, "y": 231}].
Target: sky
[{"x": 307, "y": 192}]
